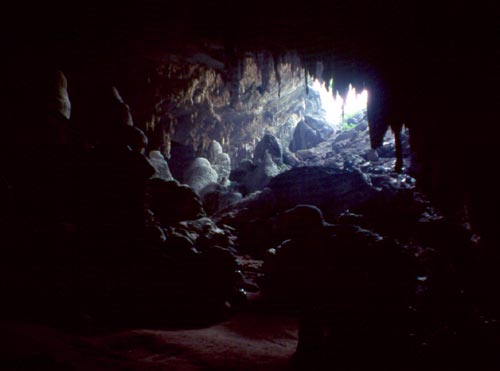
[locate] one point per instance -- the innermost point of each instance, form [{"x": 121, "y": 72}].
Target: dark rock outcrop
[
  {"x": 271, "y": 145},
  {"x": 309, "y": 133},
  {"x": 330, "y": 189},
  {"x": 172, "y": 202}
]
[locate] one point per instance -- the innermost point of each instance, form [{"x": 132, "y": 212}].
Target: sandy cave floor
[
  {"x": 255, "y": 337},
  {"x": 245, "y": 341}
]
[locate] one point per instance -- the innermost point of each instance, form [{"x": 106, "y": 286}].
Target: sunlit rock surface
[
  {"x": 160, "y": 165},
  {"x": 199, "y": 174}
]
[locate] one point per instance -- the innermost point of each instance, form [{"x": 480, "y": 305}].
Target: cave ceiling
[
  {"x": 431, "y": 53},
  {"x": 352, "y": 38}
]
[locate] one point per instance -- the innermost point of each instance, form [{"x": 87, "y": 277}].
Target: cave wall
[
  {"x": 198, "y": 102},
  {"x": 436, "y": 60}
]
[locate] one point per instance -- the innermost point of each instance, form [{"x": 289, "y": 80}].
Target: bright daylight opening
[{"x": 339, "y": 112}]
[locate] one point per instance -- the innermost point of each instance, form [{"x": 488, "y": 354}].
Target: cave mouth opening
[{"x": 340, "y": 112}]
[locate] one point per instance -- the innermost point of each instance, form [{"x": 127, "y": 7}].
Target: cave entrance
[
  {"x": 327, "y": 114},
  {"x": 341, "y": 113}
]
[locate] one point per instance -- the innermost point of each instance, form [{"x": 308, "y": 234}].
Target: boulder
[
  {"x": 309, "y": 133},
  {"x": 271, "y": 145},
  {"x": 331, "y": 189},
  {"x": 260, "y": 176},
  {"x": 289, "y": 158}
]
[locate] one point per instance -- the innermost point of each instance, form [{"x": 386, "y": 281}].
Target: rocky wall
[{"x": 199, "y": 101}]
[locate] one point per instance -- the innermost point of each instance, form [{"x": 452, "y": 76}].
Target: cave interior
[{"x": 172, "y": 165}]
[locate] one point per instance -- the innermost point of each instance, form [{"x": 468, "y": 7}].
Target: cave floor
[{"x": 247, "y": 340}]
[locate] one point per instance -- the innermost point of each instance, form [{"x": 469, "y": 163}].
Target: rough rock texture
[
  {"x": 309, "y": 133},
  {"x": 220, "y": 161},
  {"x": 161, "y": 166},
  {"x": 199, "y": 174},
  {"x": 332, "y": 190},
  {"x": 200, "y": 105},
  {"x": 271, "y": 145}
]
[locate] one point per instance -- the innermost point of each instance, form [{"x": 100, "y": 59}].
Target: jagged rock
[
  {"x": 309, "y": 133},
  {"x": 172, "y": 202},
  {"x": 306, "y": 154},
  {"x": 289, "y": 158},
  {"x": 252, "y": 176},
  {"x": 259, "y": 177},
  {"x": 346, "y": 135},
  {"x": 271, "y": 145},
  {"x": 161, "y": 166},
  {"x": 330, "y": 189},
  {"x": 200, "y": 174},
  {"x": 285, "y": 131}
]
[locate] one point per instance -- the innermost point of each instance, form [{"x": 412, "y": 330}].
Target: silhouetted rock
[
  {"x": 330, "y": 189},
  {"x": 172, "y": 202}
]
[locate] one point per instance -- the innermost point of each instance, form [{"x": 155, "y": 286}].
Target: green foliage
[
  {"x": 345, "y": 125},
  {"x": 349, "y": 121}
]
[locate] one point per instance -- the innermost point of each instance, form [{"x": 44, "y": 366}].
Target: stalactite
[
  {"x": 263, "y": 64},
  {"x": 306, "y": 82},
  {"x": 233, "y": 69},
  {"x": 276, "y": 61},
  {"x": 327, "y": 75}
]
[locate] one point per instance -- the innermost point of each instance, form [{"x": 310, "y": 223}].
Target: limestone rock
[
  {"x": 200, "y": 174},
  {"x": 214, "y": 150},
  {"x": 330, "y": 189},
  {"x": 309, "y": 133},
  {"x": 271, "y": 145},
  {"x": 220, "y": 161},
  {"x": 160, "y": 165},
  {"x": 261, "y": 175}
]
